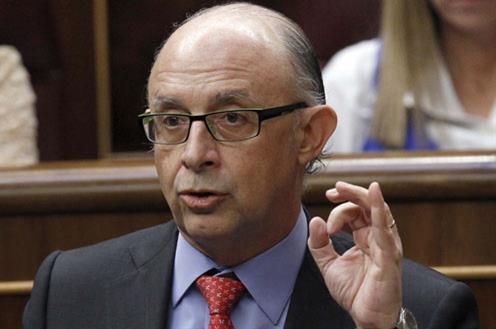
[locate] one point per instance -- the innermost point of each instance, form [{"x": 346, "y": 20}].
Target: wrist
[{"x": 406, "y": 320}]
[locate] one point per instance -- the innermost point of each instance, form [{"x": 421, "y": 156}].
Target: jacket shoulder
[
  {"x": 70, "y": 285},
  {"x": 436, "y": 300},
  {"x": 110, "y": 257}
]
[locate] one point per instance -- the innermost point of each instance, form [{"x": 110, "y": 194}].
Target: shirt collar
[
  {"x": 268, "y": 277},
  {"x": 189, "y": 264}
]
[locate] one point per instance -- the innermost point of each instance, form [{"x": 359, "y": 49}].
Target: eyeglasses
[{"x": 225, "y": 126}]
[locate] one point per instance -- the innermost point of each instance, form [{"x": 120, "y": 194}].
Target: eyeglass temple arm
[{"x": 277, "y": 111}]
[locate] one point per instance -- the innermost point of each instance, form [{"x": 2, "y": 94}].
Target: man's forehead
[
  {"x": 231, "y": 31},
  {"x": 242, "y": 52},
  {"x": 219, "y": 40},
  {"x": 222, "y": 45}
]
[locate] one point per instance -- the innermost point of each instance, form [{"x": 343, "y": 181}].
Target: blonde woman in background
[
  {"x": 17, "y": 113},
  {"x": 429, "y": 82}
]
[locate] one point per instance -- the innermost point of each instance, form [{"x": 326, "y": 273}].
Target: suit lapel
[
  {"x": 311, "y": 304},
  {"x": 141, "y": 298}
]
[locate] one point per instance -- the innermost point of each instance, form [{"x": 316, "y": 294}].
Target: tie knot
[{"x": 221, "y": 293}]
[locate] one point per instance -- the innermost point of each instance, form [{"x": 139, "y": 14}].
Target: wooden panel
[
  {"x": 485, "y": 293},
  {"x": 448, "y": 233},
  {"x": 486, "y": 298},
  {"x": 11, "y": 311},
  {"x": 27, "y": 240}
]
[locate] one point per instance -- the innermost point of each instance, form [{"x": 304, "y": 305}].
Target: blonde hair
[{"x": 410, "y": 55}]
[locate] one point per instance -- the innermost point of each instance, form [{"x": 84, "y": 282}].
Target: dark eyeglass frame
[{"x": 263, "y": 114}]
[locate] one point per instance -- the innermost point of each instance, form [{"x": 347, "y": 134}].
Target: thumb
[{"x": 320, "y": 245}]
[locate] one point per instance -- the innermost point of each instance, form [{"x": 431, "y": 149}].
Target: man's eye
[
  {"x": 171, "y": 120},
  {"x": 233, "y": 118}
]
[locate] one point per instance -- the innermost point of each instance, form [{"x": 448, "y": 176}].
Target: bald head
[
  {"x": 253, "y": 21},
  {"x": 244, "y": 27}
]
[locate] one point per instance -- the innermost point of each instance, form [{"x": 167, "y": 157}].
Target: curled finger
[
  {"x": 346, "y": 213},
  {"x": 349, "y": 192}
]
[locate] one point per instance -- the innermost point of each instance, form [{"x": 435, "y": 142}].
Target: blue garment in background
[{"x": 411, "y": 143}]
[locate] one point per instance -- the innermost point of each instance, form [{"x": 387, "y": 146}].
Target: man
[{"x": 236, "y": 115}]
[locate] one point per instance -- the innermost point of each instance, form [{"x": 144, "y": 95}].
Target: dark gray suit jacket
[{"x": 126, "y": 283}]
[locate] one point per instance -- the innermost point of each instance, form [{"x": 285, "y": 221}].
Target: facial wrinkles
[
  {"x": 200, "y": 79},
  {"x": 168, "y": 80}
]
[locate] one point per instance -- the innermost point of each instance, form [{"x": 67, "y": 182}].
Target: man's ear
[{"x": 318, "y": 123}]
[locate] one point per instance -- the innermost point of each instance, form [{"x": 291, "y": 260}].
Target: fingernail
[
  {"x": 379, "y": 190},
  {"x": 331, "y": 192}
]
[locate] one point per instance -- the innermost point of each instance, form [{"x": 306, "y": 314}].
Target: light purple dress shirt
[{"x": 269, "y": 279}]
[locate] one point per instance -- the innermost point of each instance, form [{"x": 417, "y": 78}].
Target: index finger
[
  {"x": 349, "y": 192},
  {"x": 369, "y": 200}
]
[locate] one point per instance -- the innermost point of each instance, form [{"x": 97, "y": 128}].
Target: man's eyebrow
[
  {"x": 231, "y": 97},
  {"x": 165, "y": 102}
]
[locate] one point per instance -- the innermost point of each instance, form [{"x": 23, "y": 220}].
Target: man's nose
[{"x": 200, "y": 151}]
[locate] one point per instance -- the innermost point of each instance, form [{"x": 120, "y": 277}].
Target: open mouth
[
  {"x": 201, "y": 194},
  {"x": 201, "y": 201}
]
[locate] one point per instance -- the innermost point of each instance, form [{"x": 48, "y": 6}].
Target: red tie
[{"x": 221, "y": 293}]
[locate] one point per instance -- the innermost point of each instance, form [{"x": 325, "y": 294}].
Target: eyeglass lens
[{"x": 224, "y": 126}]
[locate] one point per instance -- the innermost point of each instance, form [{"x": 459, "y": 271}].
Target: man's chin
[
  {"x": 207, "y": 226},
  {"x": 207, "y": 239}
]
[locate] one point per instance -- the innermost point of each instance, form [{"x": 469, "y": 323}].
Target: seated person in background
[
  {"x": 428, "y": 83},
  {"x": 237, "y": 115},
  {"x": 17, "y": 113}
]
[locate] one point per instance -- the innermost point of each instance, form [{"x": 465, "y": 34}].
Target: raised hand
[{"x": 366, "y": 279}]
